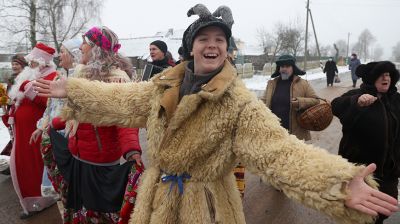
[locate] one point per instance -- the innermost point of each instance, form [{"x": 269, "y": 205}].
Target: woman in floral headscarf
[{"x": 90, "y": 178}]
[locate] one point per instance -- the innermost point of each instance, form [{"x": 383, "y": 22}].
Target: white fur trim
[
  {"x": 26, "y": 74},
  {"x": 39, "y": 56}
]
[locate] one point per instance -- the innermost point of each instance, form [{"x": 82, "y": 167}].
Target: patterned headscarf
[{"x": 96, "y": 36}]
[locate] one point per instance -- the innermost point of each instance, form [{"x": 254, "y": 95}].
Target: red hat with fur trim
[
  {"x": 45, "y": 48},
  {"x": 41, "y": 54}
]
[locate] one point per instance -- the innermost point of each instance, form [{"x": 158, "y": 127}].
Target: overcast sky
[{"x": 333, "y": 18}]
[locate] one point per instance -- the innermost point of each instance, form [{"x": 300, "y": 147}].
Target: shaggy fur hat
[
  {"x": 287, "y": 60},
  {"x": 161, "y": 45},
  {"x": 370, "y": 72},
  {"x": 206, "y": 19},
  {"x": 180, "y": 51},
  {"x": 20, "y": 60}
]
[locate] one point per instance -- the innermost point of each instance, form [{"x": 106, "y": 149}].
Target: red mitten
[{"x": 57, "y": 123}]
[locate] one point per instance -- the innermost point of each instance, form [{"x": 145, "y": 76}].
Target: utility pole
[
  {"x": 316, "y": 41},
  {"x": 315, "y": 35},
  {"x": 306, "y": 38},
  {"x": 347, "y": 52}
]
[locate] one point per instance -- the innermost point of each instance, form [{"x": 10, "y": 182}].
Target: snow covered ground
[{"x": 259, "y": 82}]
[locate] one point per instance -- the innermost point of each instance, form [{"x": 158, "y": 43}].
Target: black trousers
[{"x": 388, "y": 186}]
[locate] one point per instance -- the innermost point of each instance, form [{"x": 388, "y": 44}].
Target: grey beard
[{"x": 285, "y": 76}]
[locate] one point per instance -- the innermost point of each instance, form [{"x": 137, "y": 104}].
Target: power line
[{"x": 353, "y": 4}]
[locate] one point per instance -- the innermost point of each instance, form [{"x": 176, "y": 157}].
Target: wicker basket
[{"x": 316, "y": 118}]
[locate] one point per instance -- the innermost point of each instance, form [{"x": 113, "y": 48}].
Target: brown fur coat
[{"x": 205, "y": 135}]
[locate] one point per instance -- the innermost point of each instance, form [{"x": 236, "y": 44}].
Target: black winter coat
[
  {"x": 330, "y": 68},
  {"x": 371, "y": 134}
]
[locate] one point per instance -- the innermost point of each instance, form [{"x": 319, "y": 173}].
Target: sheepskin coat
[
  {"x": 306, "y": 97},
  {"x": 204, "y": 135}
]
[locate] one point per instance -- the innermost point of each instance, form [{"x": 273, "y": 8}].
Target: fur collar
[
  {"x": 213, "y": 90},
  {"x": 171, "y": 79}
]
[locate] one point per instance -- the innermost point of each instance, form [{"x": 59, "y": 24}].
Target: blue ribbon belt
[{"x": 176, "y": 179}]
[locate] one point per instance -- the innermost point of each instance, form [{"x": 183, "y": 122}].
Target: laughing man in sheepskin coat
[{"x": 199, "y": 128}]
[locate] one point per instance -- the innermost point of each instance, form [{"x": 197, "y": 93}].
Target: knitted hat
[
  {"x": 370, "y": 72},
  {"x": 72, "y": 45},
  {"x": 206, "y": 19},
  {"x": 41, "y": 54},
  {"x": 287, "y": 60},
  {"x": 161, "y": 45},
  {"x": 20, "y": 60}
]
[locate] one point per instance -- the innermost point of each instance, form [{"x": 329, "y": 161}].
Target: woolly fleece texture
[{"x": 207, "y": 134}]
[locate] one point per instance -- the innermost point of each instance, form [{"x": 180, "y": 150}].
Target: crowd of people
[{"x": 75, "y": 133}]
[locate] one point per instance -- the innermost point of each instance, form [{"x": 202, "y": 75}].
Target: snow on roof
[{"x": 139, "y": 46}]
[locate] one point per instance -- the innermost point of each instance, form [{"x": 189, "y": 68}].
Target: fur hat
[
  {"x": 287, "y": 60},
  {"x": 180, "y": 51},
  {"x": 72, "y": 45},
  {"x": 370, "y": 72},
  {"x": 41, "y": 54},
  {"x": 19, "y": 59},
  {"x": 206, "y": 19},
  {"x": 161, "y": 45}
]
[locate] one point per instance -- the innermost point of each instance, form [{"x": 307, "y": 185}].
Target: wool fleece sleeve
[
  {"x": 105, "y": 104},
  {"x": 303, "y": 172}
]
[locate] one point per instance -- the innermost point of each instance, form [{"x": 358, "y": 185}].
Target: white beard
[{"x": 26, "y": 74}]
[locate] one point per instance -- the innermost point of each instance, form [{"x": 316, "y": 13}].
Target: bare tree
[
  {"x": 265, "y": 40},
  {"x": 18, "y": 20},
  {"x": 46, "y": 20},
  {"x": 293, "y": 37},
  {"x": 377, "y": 53},
  {"x": 67, "y": 18},
  {"x": 326, "y": 50},
  {"x": 271, "y": 42},
  {"x": 365, "y": 40},
  {"x": 342, "y": 47},
  {"x": 396, "y": 52},
  {"x": 285, "y": 38},
  {"x": 356, "y": 48}
]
